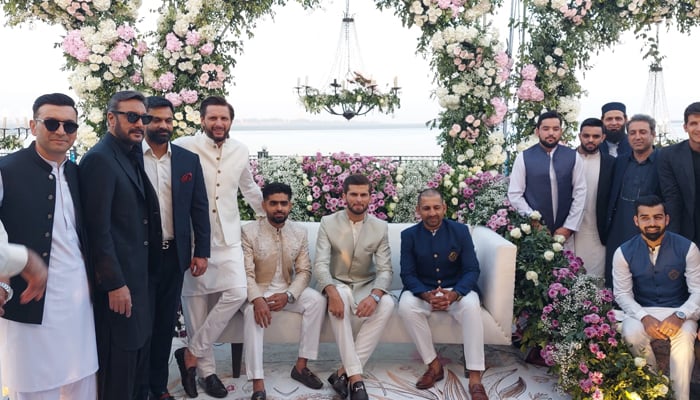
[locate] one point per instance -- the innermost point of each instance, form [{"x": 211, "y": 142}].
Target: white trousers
[
  {"x": 204, "y": 326},
  {"x": 354, "y": 352},
  {"x": 415, "y": 311},
  {"x": 310, "y": 304},
  {"x": 682, "y": 356},
  {"x": 83, "y": 389}
]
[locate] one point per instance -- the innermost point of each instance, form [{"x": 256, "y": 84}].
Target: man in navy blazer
[
  {"x": 176, "y": 176},
  {"x": 440, "y": 272},
  {"x": 679, "y": 176},
  {"x": 123, "y": 228}
]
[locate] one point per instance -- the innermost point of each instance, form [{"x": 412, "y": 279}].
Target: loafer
[
  {"x": 259, "y": 395},
  {"x": 429, "y": 378},
  {"x": 477, "y": 392},
  {"x": 214, "y": 387},
  {"x": 306, "y": 377},
  {"x": 187, "y": 375},
  {"x": 358, "y": 391},
  {"x": 339, "y": 384}
]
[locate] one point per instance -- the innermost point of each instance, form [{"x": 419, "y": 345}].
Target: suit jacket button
[
  {"x": 50, "y": 216},
  {"x": 47, "y": 234},
  {"x": 145, "y": 221},
  {"x": 50, "y": 197},
  {"x": 437, "y": 269},
  {"x": 145, "y": 243},
  {"x": 45, "y": 254},
  {"x": 50, "y": 177},
  {"x": 439, "y": 281},
  {"x": 435, "y": 255}
]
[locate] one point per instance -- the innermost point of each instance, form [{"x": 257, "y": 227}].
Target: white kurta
[
  {"x": 226, "y": 170},
  {"x": 62, "y": 349},
  {"x": 587, "y": 241}
]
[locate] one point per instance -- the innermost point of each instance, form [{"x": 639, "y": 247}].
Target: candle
[
  {"x": 298, "y": 81},
  {"x": 306, "y": 81},
  {"x": 4, "y": 122},
  {"x": 396, "y": 81},
  {"x": 26, "y": 123}
]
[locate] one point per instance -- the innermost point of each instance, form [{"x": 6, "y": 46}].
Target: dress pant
[
  {"x": 121, "y": 372},
  {"x": 682, "y": 355},
  {"x": 354, "y": 352},
  {"x": 415, "y": 311},
  {"x": 83, "y": 389},
  {"x": 204, "y": 326},
  {"x": 311, "y": 304}
]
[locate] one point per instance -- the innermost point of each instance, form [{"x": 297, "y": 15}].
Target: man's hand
[
  {"x": 651, "y": 326},
  {"x": 366, "y": 307},
  {"x": 198, "y": 266},
  {"x": 277, "y": 301},
  {"x": 564, "y": 232},
  {"x": 35, "y": 273},
  {"x": 120, "y": 301},
  {"x": 437, "y": 299},
  {"x": 335, "y": 303},
  {"x": 671, "y": 325},
  {"x": 263, "y": 317},
  {"x": 3, "y": 295}
]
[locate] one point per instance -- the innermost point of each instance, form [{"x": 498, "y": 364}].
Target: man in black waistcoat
[
  {"x": 48, "y": 348},
  {"x": 123, "y": 226}
]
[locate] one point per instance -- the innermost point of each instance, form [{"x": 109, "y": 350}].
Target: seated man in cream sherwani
[
  {"x": 353, "y": 268},
  {"x": 440, "y": 271},
  {"x": 278, "y": 270}
]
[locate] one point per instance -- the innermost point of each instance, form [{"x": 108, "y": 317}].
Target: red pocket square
[{"x": 186, "y": 177}]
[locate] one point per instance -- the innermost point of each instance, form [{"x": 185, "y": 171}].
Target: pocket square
[{"x": 186, "y": 177}]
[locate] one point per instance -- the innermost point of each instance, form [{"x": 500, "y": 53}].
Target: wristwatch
[
  {"x": 8, "y": 290},
  {"x": 375, "y": 297},
  {"x": 290, "y": 297},
  {"x": 680, "y": 315}
]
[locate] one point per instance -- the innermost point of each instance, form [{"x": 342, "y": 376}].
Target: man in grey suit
[
  {"x": 679, "y": 177},
  {"x": 353, "y": 268}
]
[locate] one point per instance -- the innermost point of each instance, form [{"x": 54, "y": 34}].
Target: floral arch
[{"x": 489, "y": 100}]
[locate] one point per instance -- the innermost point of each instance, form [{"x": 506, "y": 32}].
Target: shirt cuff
[{"x": 16, "y": 259}]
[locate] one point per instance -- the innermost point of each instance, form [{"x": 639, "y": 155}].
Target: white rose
[
  {"x": 535, "y": 215},
  {"x": 392, "y": 206},
  {"x": 549, "y": 255},
  {"x": 559, "y": 238},
  {"x": 102, "y": 5},
  {"x": 447, "y": 183},
  {"x": 531, "y": 275},
  {"x": 526, "y": 228},
  {"x": 461, "y": 158},
  {"x": 95, "y": 115},
  {"x": 454, "y": 201},
  {"x": 548, "y": 59},
  {"x": 515, "y": 233},
  {"x": 558, "y": 51},
  {"x": 640, "y": 362},
  {"x": 309, "y": 208},
  {"x": 469, "y": 153},
  {"x": 462, "y": 185},
  {"x": 557, "y": 247}
]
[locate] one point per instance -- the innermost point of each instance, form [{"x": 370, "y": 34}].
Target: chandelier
[{"x": 350, "y": 93}]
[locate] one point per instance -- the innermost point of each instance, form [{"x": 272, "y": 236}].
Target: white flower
[
  {"x": 640, "y": 362},
  {"x": 454, "y": 201},
  {"x": 531, "y": 275},
  {"x": 559, "y": 239},
  {"x": 102, "y": 5},
  {"x": 526, "y": 228},
  {"x": 95, "y": 115},
  {"x": 557, "y": 247},
  {"x": 516, "y": 234},
  {"x": 454, "y": 191},
  {"x": 548, "y": 255},
  {"x": 548, "y": 59},
  {"x": 558, "y": 51},
  {"x": 535, "y": 215},
  {"x": 661, "y": 389},
  {"x": 469, "y": 153},
  {"x": 461, "y": 159}
]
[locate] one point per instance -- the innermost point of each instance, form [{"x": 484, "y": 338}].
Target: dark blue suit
[
  {"x": 190, "y": 212},
  {"x": 446, "y": 259}
]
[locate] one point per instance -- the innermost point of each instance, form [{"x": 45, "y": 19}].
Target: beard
[
  {"x": 157, "y": 135},
  {"x": 654, "y": 236},
  {"x": 547, "y": 144},
  {"x": 614, "y": 136},
  {"x": 278, "y": 218}
]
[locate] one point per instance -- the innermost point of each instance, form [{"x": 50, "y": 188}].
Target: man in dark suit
[
  {"x": 123, "y": 225},
  {"x": 590, "y": 239},
  {"x": 614, "y": 117},
  {"x": 635, "y": 175},
  {"x": 679, "y": 175},
  {"x": 176, "y": 176}
]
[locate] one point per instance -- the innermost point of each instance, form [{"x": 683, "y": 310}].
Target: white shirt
[
  {"x": 516, "y": 191},
  {"x": 159, "y": 173},
  {"x": 13, "y": 257}
]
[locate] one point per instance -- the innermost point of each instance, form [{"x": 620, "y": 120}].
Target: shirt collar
[{"x": 147, "y": 149}]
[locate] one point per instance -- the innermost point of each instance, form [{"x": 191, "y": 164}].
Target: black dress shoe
[
  {"x": 163, "y": 396},
  {"x": 358, "y": 391},
  {"x": 187, "y": 375},
  {"x": 259, "y": 395},
  {"x": 306, "y": 377},
  {"x": 213, "y": 386},
  {"x": 339, "y": 383}
]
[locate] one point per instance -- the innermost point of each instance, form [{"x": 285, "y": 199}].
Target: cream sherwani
[
  {"x": 277, "y": 261},
  {"x": 587, "y": 240},
  {"x": 226, "y": 170},
  {"x": 355, "y": 267}
]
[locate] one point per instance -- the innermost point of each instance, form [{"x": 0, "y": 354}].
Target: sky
[{"x": 300, "y": 43}]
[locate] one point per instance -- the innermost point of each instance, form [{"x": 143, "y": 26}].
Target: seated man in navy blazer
[{"x": 440, "y": 271}]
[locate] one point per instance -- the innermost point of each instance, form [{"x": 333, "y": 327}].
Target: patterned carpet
[{"x": 390, "y": 374}]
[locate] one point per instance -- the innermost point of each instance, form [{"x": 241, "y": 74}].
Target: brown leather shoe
[
  {"x": 477, "y": 392},
  {"x": 429, "y": 378}
]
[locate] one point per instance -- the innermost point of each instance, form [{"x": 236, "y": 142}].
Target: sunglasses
[
  {"x": 132, "y": 117},
  {"x": 69, "y": 127}
]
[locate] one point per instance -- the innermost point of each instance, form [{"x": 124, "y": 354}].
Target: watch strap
[{"x": 8, "y": 290}]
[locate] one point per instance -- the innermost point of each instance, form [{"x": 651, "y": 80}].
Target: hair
[
  {"x": 650, "y": 200},
  {"x": 429, "y": 192},
  {"x": 548, "y": 115},
  {"x": 54, "y": 99},
  {"x": 276, "y": 187},
  {"x": 595, "y": 122},
  {"x": 215, "y": 101},
  {"x": 158, "y": 102},
  {"x": 122, "y": 96},
  {"x": 693, "y": 109},
  {"x": 643, "y": 118},
  {"x": 355, "y": 179}
]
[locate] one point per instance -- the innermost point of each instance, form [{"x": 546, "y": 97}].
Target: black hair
[
  {"x": 215, "y": 101},
  {"x": 54, "y": 99},
  {"x": 159, "y": 102},
  {"x": 276, "y": 187},
  {"x": 355, "y": 179}
]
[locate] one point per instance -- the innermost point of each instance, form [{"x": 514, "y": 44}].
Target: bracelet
[{"x": 8, "y": 290}]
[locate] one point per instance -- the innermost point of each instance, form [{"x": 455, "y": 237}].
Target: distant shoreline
[{"x": 293, "y": 125}]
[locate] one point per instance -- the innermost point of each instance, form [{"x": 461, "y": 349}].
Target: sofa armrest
[{"x": 496, "y": 257}]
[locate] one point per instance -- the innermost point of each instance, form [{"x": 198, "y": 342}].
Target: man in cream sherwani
[
  {"x": 353, "y": 268},
  {"x": 278, "y": 268},
  {"x": 225, "y": 166}
]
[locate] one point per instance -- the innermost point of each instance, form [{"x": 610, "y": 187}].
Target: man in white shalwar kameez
[
  {"x": 48, "y": 347},
  {"x": 226, "y": 170}
]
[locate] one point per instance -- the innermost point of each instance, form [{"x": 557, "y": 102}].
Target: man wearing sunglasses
[
  {"x": 124, "y": 234},
  {"x": 225, "y": 164},
  {"x": 48, "y": 348}
]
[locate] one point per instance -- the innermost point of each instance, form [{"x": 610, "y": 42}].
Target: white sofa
[{"x": 497, "y": 280}]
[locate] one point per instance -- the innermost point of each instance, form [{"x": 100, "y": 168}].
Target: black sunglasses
[
  {"x": 132, "y": 117},
  {"x": 69, "y": 127}
]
